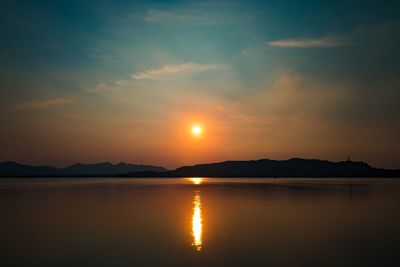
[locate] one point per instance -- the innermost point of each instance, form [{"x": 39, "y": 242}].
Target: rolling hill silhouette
[
  {"x": 295, "y": 167},
  {"x": 14, "y": 169}
]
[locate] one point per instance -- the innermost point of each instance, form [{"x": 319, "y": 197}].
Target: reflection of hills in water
[{"x": 299, "y": 187}]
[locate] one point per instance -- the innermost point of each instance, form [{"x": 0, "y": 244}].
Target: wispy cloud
[
  {"x": 42, "y": 104},
  {"x": 165, "y": 72},
  {"x": 363, "y": 35},
  {"x": 324, "y": 42},
  {"x": 107, "y": 87},
  {"x": 169, "y": 71},
  {"x": 206, "y": 14},
  {"x": 100, "y": 55}
]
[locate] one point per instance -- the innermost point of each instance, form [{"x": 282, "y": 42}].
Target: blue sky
[{"x": 119, "y": 80}]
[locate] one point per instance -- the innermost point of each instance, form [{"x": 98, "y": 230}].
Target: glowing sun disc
[{"x": 197, "y": 130}]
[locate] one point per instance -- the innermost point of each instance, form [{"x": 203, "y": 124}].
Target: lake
[{"x": 199, "y": 222}]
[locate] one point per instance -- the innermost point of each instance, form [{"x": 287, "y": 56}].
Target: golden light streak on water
[{"x": 197, "y": 223}]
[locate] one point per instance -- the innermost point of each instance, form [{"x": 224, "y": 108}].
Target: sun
[{"x": 197, "y": 130}]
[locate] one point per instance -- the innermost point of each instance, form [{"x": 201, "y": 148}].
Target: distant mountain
[
  {"x": 107, "y": 168},
  {"x": 295, "y": 167},
  {"x": 14, "y": 169}
]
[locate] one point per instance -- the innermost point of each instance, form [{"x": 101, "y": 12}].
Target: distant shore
[{"x": 263, "y": 168}]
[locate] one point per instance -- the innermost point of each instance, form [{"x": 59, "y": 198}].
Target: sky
[{"x": 94, "y": 81}]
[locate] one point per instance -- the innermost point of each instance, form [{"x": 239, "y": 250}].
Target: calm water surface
[{"x": 199, "y": 222}]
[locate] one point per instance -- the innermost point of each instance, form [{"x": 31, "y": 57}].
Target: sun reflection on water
[
  {"x": 197, "y": 223},
  {"x": 196, "y": 180}
]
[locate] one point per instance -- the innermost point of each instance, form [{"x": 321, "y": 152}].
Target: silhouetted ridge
[
  {"x": 14, "y": 169},
  {"x": 294, "y": 167}
]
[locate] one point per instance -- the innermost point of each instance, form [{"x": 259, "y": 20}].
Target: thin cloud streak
[
  {"x": 168, "y": 71},
  {"x": 325, "y": 42},
  {"x": 42, "y": 104},
  {"x": 206, "y": 14},
  {"x": 105, "y": 87}
]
